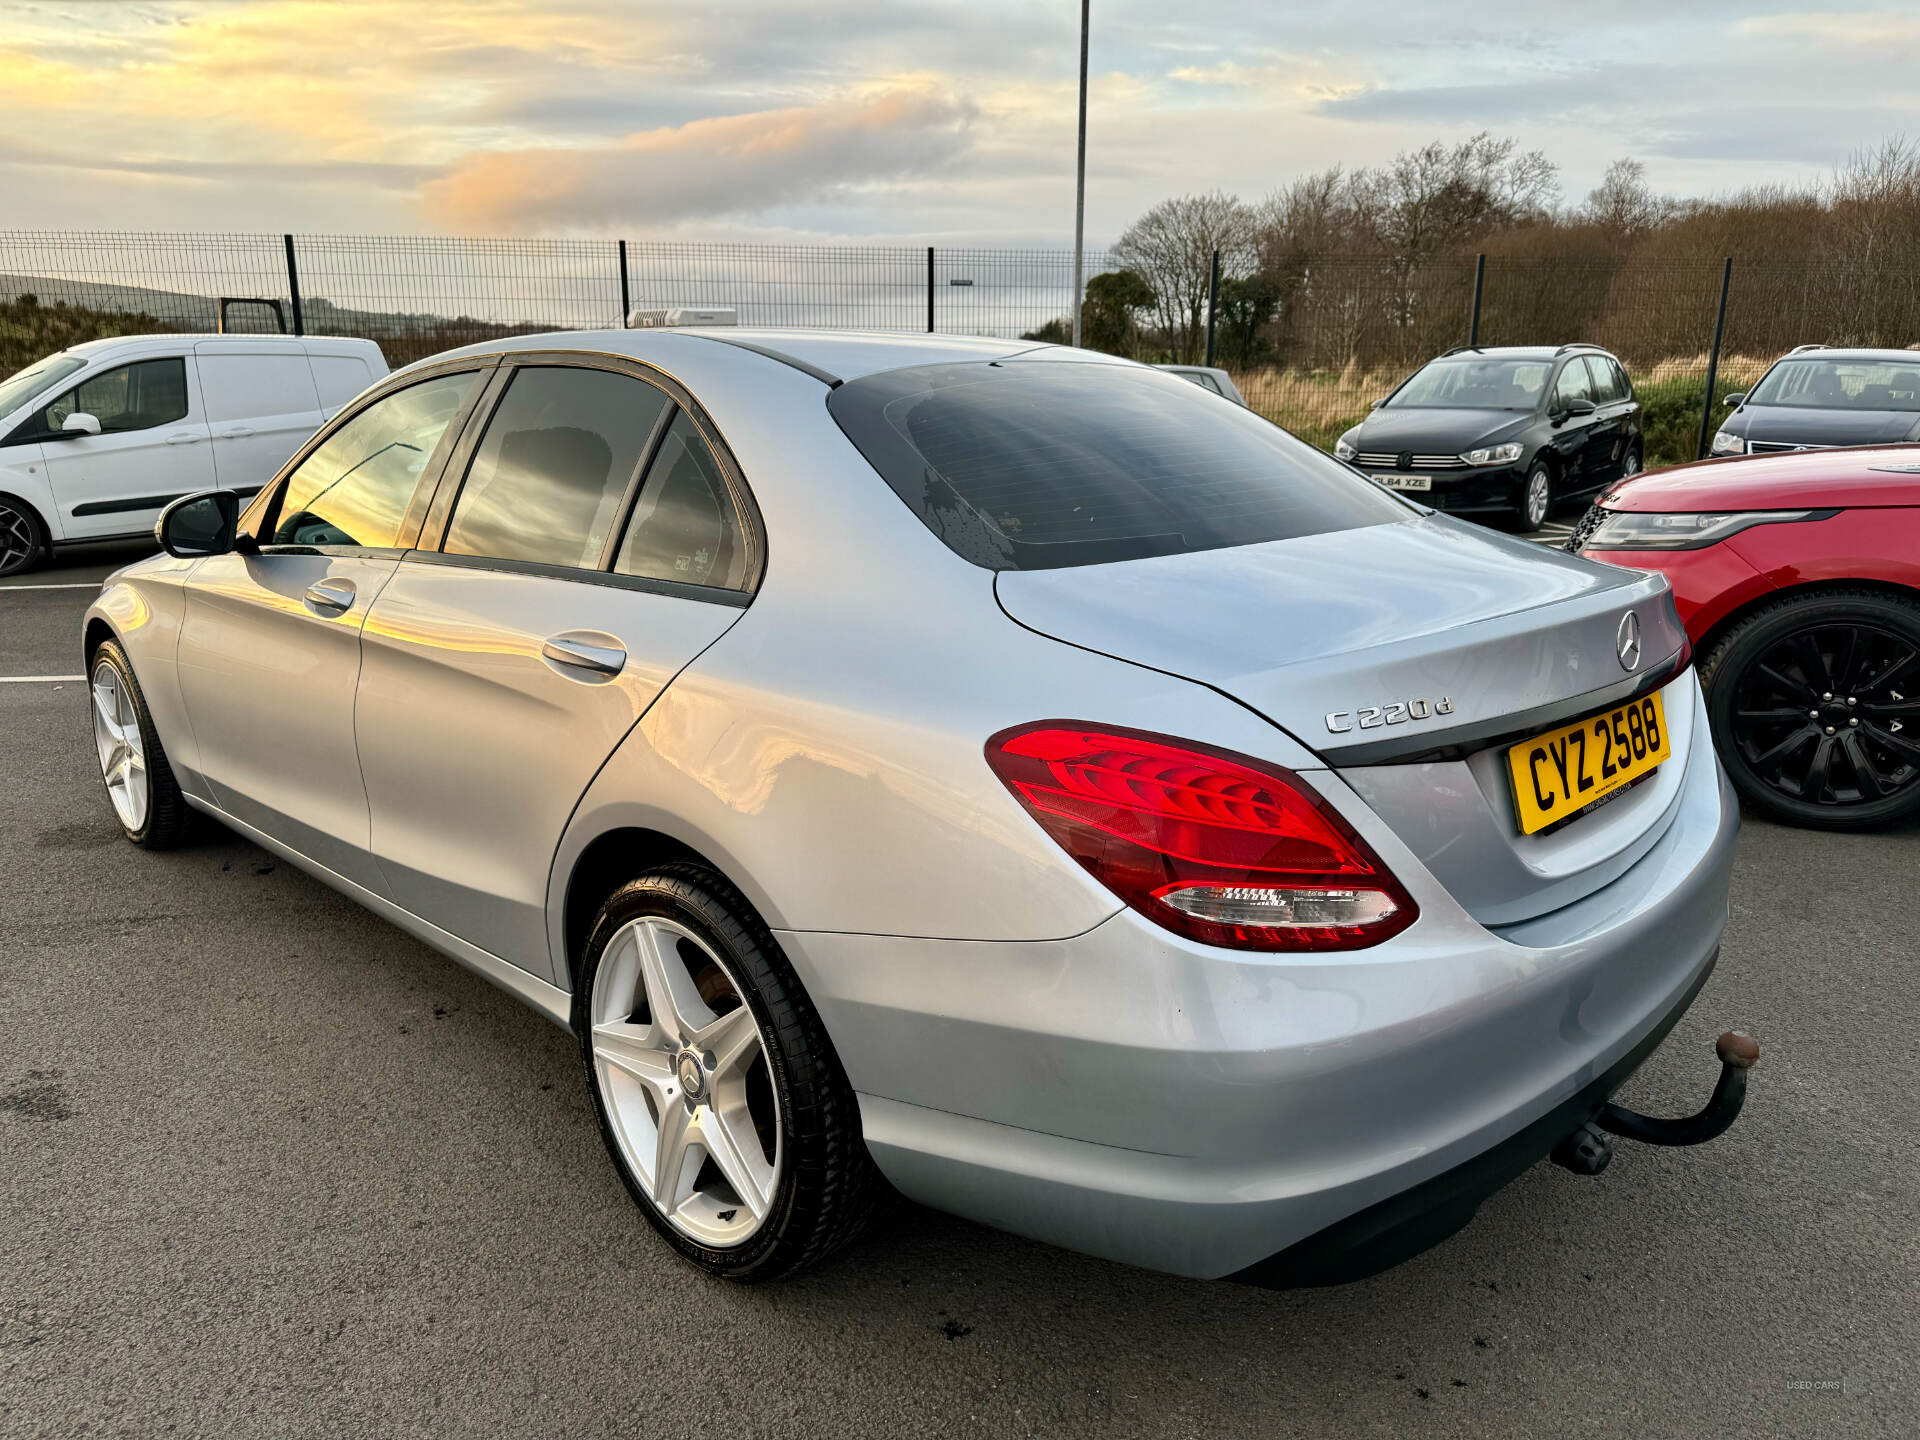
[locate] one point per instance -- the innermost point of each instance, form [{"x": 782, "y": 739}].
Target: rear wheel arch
[{"x": 611, "y": 860}]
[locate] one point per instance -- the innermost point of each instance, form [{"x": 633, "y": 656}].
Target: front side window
[
  {"x": 683, "y": 526},
  {"x": 1034, "y": 465},
  {"x": 354, "y": 489},
  {"x": 36, "y": 379},
  {"x": 1841, "y": 385},
  {"x": 1474, "y": 383},
  {"x": 129, "y": 397},
  {"x": 1574, "y": 384},
  {"x": 547, "y": 481}
]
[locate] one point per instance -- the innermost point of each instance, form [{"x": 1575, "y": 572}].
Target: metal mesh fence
[{"x": 1311, "y": 340}]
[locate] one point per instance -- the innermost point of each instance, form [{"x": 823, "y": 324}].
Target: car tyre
[
  {"x": 1814, "y": 703},
  {"x": 1535, "y": 500},
  {"x": 772, "y": 1173},
  {"x": 146, "y": 799},
  {"x": 23, "y": 539}
]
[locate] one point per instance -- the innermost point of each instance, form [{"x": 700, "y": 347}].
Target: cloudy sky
[{"x": 924, "y": 123}]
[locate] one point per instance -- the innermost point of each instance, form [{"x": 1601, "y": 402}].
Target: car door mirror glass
[
  {"x": 80, "y": 423},
  {"x": 199, "y": 525}
]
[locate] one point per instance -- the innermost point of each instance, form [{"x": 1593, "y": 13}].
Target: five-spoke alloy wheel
[
  {"x": 719, "y": 1094},
  {"x": 140, "y": 785},
  {"x": 682, "y": 1070}
]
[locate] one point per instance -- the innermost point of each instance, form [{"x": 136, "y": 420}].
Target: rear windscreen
[{"x": 1037, "y": 465}]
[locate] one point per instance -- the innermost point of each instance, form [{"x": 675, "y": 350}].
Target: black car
[
  {"x": 1504, "y": 434},
  {"x": 1817, "y": 398}
]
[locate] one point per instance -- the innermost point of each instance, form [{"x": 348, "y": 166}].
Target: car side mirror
[
  {"x": 1581, "y": 407},
  {"x": 1376, "y": 404},
  {"x": 80, "y": 423},
  {"x": 1738, "y": 397},
  {"x": 199, "y": 525}
]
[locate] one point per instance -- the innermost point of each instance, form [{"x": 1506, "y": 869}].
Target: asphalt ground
[{"x": 270, "y": 1167}]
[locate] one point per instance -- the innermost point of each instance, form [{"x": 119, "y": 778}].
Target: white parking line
[
  {"x": 95, "y": 585},
  {"x": 39, "y": 679}
]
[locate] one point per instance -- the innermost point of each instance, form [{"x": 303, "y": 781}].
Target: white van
[{"x": 96, "y": 439}]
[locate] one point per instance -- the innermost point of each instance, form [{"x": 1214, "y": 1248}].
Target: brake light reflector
[{"x": 1222, "y": 848}]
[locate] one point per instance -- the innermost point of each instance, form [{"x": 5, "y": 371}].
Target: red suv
[{"x": 1798, "y": 579}]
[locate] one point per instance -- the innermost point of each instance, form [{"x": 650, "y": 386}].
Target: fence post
[
  {"x": 293, "y": 290},
  {"x": 1713, "y": 359},
  {"x": 626, "y": 295},
  {"x": 929, "y": 289},
  {"x": 1479, "y": 287},
  {"x": 1213, "y": 302}
]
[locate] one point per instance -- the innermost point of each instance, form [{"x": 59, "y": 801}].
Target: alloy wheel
[
  {"x": 19, "y": 542},
  {"x": 1830, "y": 715},
  {"x": 1630, "y": 466},
  {"x": 122, "y": 751},
  {"x": 682, "y": 1070},
  {"x": 1539, "y": 497}
]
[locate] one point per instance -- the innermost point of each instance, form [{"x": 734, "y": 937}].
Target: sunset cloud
[{"x": 722, "y": 166}]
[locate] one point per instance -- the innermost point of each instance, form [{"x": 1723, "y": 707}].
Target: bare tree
[
  {"x": 1171, "y": 247},
  {"x": 1624, "y": 205}
]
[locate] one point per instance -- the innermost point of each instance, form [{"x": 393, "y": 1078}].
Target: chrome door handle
[
  {"x": 185, "y": 437},
  {"x": 331, "y": 597},
  {"x": 586, "y": 650}
]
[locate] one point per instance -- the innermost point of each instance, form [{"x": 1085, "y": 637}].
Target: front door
[
  {"x": 1573, "y": 437},
  {"x": 500, "y": 673},
  {"x": 152, "y": 448},
  {"x": 270, "y": 641}
]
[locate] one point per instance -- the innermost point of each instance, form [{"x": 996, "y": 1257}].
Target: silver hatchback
[{"x": 1010, "y": 773}]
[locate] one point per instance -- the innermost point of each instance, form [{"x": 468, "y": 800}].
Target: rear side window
[
  {"x": 132, "y": 397},
  {"x": 354, "y": 489},
  {"x": 548, "y": 479},
  {"x": 683, "y": 525},
  {"x": 1032, "y": 465}
]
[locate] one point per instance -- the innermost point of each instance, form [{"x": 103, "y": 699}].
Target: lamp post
[{"x": 1080, "y": 184}]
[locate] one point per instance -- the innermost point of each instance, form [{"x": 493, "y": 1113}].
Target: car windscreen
[
  {"x": 16, "y": 390},
  {"x": 1842, "y": 384},
  {"x": 1038, "y": 465},
  {"x": 1474, "y": 384}
]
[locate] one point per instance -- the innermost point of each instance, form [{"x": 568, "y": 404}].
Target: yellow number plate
[{"x": 1566, "y": 772}]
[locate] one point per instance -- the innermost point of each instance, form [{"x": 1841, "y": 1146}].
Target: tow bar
[{"x": 1587, "y": 1150}]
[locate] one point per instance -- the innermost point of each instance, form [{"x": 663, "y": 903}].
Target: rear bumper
[{"x": 1200, "y": 1111}]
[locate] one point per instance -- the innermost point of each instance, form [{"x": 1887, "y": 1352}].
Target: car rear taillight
[{"x": 1221, "y": 848}]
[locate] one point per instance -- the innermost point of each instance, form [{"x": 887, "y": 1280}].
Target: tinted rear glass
[{"x": 1035, "y": 465}]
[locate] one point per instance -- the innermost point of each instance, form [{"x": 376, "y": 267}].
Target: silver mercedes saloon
[{"x": 1007, "y": 775}]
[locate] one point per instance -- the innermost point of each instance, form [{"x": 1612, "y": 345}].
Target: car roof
[
  {"x": 1521, "y": 352},
  {"x": 831, "y": 354},
  {"x": 114, "y": 344},
  {"x": 1891, "y": 355}
]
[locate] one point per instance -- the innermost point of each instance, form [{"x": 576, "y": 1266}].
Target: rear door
[
  {"x": 261, "y": 407},
  {"x": 152, "y": 447},
  {"x": 269, "y": 647},
  {"x": 595, "y": 544}
]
